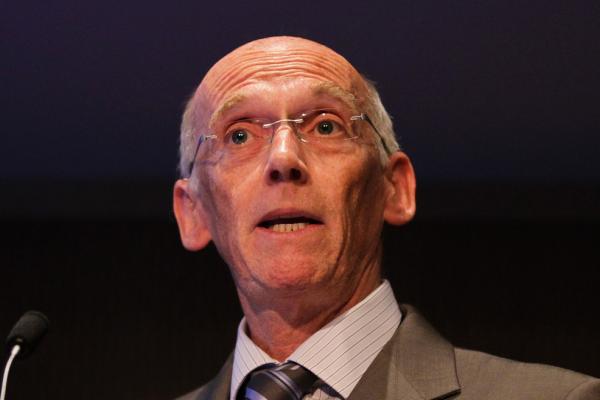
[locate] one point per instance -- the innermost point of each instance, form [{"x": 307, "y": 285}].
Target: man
[{"x": 291, "y": 168}]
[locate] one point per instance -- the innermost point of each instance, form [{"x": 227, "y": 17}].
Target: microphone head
[{"x": 27, "y": 332}]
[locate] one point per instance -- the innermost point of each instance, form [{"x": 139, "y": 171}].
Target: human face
[{"x": 334, "y": 200}]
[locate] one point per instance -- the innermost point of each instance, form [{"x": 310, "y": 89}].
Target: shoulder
[
  {"x": 427, "y": 362},
  {"x": 480, "y": 374}
]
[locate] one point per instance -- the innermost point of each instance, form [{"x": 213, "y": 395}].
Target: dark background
[{"x": 495, "y": 101}]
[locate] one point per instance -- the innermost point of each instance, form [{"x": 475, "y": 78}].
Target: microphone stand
[{"x": 13, "y": 353}]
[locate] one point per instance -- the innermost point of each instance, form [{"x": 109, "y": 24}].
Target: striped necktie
[{"x": 288, "y": 381}]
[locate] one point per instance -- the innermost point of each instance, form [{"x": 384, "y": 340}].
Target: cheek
[
  {"x": 365, "y": 197},
  {"x": 228, "y": 202},
  {"x": 219, "y": 206},
  {"x": 223, "y": 220},
  {"x": 357, "y": 187}
]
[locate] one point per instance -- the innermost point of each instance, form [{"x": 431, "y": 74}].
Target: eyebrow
[
  {"x": 327, "y": 88},
  {"x": 230, "y": 103},
  {"x": 337, "y": 92}
]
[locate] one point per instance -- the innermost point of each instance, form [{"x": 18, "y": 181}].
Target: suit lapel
[
  {"x": 218, "y": 388},
  {"x": 416, "y": 364}
]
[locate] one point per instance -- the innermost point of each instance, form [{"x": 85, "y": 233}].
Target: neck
[{"x": 280, "y": 323}]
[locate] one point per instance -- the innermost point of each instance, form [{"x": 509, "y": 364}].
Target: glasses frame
[{"x": 358, "y": 117}]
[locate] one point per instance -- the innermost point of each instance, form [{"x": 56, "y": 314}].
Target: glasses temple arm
[
  {"x": 365, "y": 117},
  {"x": 191, "y": 165}
]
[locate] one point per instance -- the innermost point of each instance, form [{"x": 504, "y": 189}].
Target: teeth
[{"x": 289, "y": 227}]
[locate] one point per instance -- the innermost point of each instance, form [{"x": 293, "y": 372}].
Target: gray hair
[
  {"x": 382, "y": 121},
  {"x": 188, "y": 139}
]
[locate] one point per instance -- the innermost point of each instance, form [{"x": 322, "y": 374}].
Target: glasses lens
[
  {"x": 240, "y": 138},
  {"x": 324, "y": 125},
  {"x": 326, "y": 129}
]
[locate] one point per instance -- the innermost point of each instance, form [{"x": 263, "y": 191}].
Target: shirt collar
[{"x": 340, "y": 352}]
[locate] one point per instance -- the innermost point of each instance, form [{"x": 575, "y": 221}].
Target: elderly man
[{"x": 291, "y": 168}]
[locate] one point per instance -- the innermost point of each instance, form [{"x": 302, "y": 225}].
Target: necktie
[{"x": 288, "y": 381}]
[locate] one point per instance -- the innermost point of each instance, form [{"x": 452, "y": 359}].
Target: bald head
[
  {"x": 280, "y": 60},
  {"x": 273, "y": 58}
]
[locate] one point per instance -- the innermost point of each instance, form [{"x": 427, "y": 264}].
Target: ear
[
  {"x": 191, "y": 217},
  {"x": 400, "y": 204}
]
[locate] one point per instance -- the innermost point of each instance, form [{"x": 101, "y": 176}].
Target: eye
[
  {"x": 324, "y": 124},
  {"x": 239, "y": 137},
  {"x": 326, "y": 127}
]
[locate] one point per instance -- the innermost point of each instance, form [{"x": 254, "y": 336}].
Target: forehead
[
  {"x": 283, "y": 98},
  {"x": 277, "y": 66}
]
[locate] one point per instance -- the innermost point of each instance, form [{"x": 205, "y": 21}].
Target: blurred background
[{"x": 496, "y": 102}]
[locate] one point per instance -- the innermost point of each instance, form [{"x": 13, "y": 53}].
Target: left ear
[{"x": 400, "y": 204}]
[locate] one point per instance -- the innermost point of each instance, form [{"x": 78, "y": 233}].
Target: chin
[{"x": 293, "y": 275}]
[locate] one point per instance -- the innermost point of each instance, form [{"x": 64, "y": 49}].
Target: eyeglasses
[{"x": 324, "y": 129}]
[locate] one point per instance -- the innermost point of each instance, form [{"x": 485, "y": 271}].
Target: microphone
[
  {"x": 27, "y": 332},
  {"x": 22, "y": 340}
]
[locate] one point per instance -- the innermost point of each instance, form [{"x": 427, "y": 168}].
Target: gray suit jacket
[{"x": 418, "y": 364}]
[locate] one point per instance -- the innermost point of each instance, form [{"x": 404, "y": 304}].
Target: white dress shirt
[{"x": 339, "y": 353}]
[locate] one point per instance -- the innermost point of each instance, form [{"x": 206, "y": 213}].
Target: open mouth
[{"x": 291, "y": 224}]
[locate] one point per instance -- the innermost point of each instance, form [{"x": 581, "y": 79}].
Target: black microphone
[
  {"x": 27, "y": 332},
  {"x": 22, "y": 339}
]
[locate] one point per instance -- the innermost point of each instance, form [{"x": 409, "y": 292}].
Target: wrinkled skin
[{"x": 291, "y": 283}]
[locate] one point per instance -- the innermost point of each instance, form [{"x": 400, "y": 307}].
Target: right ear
[{"x": 191, "y": 217}]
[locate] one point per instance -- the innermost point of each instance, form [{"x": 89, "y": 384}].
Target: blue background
[{"x": 479, "y": 90}]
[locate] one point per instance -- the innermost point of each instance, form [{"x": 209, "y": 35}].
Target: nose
[{"x": 286, "y": 158}]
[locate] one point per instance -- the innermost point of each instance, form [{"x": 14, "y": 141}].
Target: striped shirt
[{"x": 339, "y": 353}]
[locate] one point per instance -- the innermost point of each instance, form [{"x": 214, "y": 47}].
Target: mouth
[{"x": 288, "y": 224}]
